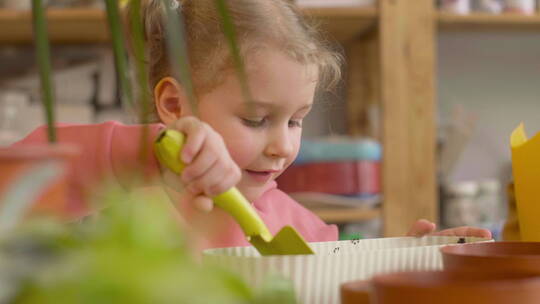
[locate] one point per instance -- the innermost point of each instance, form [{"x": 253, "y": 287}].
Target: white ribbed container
[{"x": 317, "y": 278}]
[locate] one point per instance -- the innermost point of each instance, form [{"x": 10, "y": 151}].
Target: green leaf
[
  {"x": 141, "y": 72},
  {"x": 230, "y": 33},
  {"x": 178, "y": 51},
  {"x": 113, "y": 17},
  {"x": 139, "y": 54},
  {"x": 44, "y": 63}
]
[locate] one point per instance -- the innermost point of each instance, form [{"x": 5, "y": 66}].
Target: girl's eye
[
  {"x": 295, "y": 123},
  {"x": 254, "y": 123}
]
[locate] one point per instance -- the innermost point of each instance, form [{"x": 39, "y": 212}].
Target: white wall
[
  {"x": 328, "y": 117},
  {"x": 497, "y": 77}
]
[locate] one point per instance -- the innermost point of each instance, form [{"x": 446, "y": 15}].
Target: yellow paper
[{"x": 526, "y": 169}]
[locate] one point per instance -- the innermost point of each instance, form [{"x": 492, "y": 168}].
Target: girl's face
[{"x": 262, "y": 137}]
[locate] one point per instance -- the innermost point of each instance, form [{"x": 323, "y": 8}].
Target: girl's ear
[{"x": 171, "y": 102}]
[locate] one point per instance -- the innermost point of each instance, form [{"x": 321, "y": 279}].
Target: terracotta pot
[
  {"x": 15, "y": 162},
  {"x": 445, "y": 287},
  {"x": 521, "y": 257},
  {"x": 356, "y": 292}
]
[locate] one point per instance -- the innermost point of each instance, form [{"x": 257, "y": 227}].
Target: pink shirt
[{"x": 110, "y": 148}]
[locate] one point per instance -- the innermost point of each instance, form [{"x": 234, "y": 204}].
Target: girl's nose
[{"x": 279, "y": 143}]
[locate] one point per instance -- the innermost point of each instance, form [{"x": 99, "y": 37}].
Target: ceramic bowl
[
  {"x": 356, "y": 292},
  {"x": 450, "y": 287},
  {"x": 521, "y": 257}
]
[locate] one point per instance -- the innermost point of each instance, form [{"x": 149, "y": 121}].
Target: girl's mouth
[{"x": 260, "y": 176}]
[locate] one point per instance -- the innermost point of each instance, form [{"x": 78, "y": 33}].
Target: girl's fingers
[
  {"x": 465, "y": 231},
  {"x": 172, "y": 179},
  {"x": 198, "y": 201},
  {"x": 203, "y": 203},
  {"x": 421, "y": 227},
  {"x": 424, "y": 227},
  {"x": 230, "y": 179},
  {"x": 195, "y": 132},
  {"x": 209, "y": 169},
  {"x": 200, "y": 165},
  {"x": 202, "y": 199},
  {"x": 211, "y": 182}
]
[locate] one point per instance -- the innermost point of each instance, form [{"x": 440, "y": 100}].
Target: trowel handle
[{"x": 168, "y": 146}]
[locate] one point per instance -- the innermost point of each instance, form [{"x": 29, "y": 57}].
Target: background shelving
[
  {"x": 391, "y": 57},
  {"x": 474, "y": 22},
  {"x": 89, "y": 25}
]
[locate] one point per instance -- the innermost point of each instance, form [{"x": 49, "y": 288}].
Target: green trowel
[{"x": 286, "y": 242}]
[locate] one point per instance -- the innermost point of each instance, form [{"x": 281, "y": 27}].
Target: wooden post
[
  {"x": 407, "y": 45},
  {"x": 363, "y": 76}
]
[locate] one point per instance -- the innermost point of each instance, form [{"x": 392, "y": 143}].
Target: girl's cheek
[
  {"x": 242, "y": 149},
  {"x": 239, "y": 142},
  {"x": 296, "y": 144},
  {"x": 241, "y": 156}
]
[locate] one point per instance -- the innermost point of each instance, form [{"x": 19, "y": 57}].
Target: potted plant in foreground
[
  {"x": 19, "y": 162},
  {"x": 134, "y": 251}
]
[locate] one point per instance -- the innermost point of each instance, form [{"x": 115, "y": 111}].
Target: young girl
[{"x": 232, "y": 142}]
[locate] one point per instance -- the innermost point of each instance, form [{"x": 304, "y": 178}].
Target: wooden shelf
[
  {"x": 483, "y": 22},
  {"x": 346, "y": 215},
  {"x": 65, "y": 26},
  {"x": 344, "y": 23},
  {"x": 85, "y": 26}
]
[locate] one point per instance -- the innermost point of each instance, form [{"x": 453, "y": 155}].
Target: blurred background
[{"x": 419, "y": 127}]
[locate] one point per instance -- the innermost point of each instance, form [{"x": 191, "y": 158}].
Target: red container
[
  {"x": 16, "y": 162},
  {"x": 345, "y": 178}
]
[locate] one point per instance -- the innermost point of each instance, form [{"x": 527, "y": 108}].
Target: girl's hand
[
  {"x": 209, "y": 169},
  {"x": 424, "y": 227}
]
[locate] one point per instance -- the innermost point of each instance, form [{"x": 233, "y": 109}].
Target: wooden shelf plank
[
  {"x": 65, "y": 26},
  {"x": 84, "y": 26},
  {"x": 346, "y": 215},
  {"x": 341, "y": 12},
  {"x": 483, "y": 22},
  {"x": 343, "y": 24}
]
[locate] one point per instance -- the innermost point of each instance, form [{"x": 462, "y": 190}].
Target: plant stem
[
  {"x": 178, "y": 53},
  {"x": 230, "y": 34},
  {"x": 44, "y": 62},
  {"x": 113, "y": 17},
  {"x": 139, "y": 55}
]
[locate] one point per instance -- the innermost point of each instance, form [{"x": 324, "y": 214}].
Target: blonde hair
[{"x": 258, "y": 23}]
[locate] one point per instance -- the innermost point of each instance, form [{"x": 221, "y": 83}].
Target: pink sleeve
[{"x": 108, "y": 150}]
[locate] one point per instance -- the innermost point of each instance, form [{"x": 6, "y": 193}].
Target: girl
[{"x": 232, "y": 141}]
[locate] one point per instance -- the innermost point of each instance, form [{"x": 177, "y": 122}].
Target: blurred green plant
[{"x": 132, "y": 253}]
